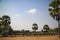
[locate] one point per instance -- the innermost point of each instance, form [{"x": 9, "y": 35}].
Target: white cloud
[{"x": 32, "y": 11}]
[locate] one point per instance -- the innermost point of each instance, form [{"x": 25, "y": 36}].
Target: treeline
[{"x": 6, "y": 30}]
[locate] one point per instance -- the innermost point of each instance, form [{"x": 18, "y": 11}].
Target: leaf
[{"x": 51, "y": 9}]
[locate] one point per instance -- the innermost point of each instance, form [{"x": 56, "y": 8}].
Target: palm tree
[
  {"x": 34, "y": 26},
  {"x": 55, "y": 11},
  {"x": 0, "y": 25},
  {"x": 46, "y": 28},
  {"x": 6, "y": 19},
  {"x": 5, "y": 25}
]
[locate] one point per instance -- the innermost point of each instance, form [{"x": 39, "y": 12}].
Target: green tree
[
  {"x": 5, "y": 25},
  {"x": 34, "y": 26},
  {"x": 55, "y": 11},
  {"x": 46, "y": 28}
]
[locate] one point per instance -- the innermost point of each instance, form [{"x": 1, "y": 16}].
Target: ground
[{"x": 52, "y": 37}]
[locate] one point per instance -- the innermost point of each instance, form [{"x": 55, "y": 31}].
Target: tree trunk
[{"x": 59, "y": 28}]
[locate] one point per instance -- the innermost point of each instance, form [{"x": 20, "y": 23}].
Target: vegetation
[
  {"x": 34, "y": 26},
  {"x": 46, "y": 28},
  {"x": 5, "y": 28},
  {"x": 55, "y": 11}
]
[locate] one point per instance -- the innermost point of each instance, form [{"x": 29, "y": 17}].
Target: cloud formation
[{"x": 32, "y": 11}]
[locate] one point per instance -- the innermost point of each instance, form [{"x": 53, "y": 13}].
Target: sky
[{"x": 24, "y": 13}]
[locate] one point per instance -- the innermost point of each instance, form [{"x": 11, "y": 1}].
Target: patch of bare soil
[{"x": 54, "y": 37}]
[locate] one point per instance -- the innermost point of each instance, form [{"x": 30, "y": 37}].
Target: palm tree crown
[{"x": 34, "y": 26}]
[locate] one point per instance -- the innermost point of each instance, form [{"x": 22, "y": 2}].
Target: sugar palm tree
[
  {"x": 34, "y": 26},
  {"x": 5, "y": 25},
  {"x": 46, "y": 28},
  {"x": 55, "y": 11}
]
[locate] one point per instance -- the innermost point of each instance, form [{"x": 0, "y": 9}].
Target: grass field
[{"x": 54, "y": 37}]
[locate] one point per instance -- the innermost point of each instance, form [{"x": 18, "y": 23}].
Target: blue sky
[{"x": 24, "y": 13}]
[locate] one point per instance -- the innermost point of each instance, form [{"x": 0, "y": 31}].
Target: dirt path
[{"x": 31, "y": 38}]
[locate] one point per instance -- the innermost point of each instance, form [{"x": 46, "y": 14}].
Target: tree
[
  {"x": 56, "y": 30},
  {"x": 34, "y": 26},
  {"x": 55, "y": 11},
  {"x": 53, "y": 31},
  {"x": 46, "y": 28},
  {"x": 5, "y": 25}
]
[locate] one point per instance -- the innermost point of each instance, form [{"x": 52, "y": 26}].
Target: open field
[{"x": 54, "y": 37}]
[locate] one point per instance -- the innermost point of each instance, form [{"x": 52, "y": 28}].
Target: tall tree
[
  {"x": 34, "y": 26},
  {"x": 55, "y": 11},
  {"x": 5, "y": 25}
]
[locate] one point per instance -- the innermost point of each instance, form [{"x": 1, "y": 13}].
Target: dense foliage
[{"x": 5, "y": 28}]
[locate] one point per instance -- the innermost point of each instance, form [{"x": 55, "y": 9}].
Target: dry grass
[{"x": 54, "y": 37}]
